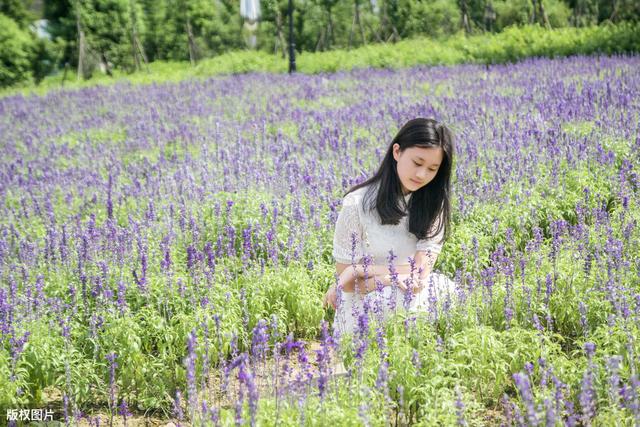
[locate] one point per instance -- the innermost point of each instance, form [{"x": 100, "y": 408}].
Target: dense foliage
[
  {"x": 164, "y": 247},
  {"x": 92, "y": 35},
  {"x": 511, "y": 45},
  {"x": 16, "y": 52}
]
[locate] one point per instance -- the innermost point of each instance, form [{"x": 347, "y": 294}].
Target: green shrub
[{"x": 16, "y": 52}]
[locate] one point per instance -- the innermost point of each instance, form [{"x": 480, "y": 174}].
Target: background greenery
[
  {"x": 513, "y": 44},
  {"x": 121, "y": 36}
]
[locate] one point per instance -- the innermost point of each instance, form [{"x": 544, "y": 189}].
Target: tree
[
  {"x": 16, "y": 52},
  {"x": 389, "y": 19},
  {"x": 356, "y": 20},
  {"x": 62, "y": 25},
  {"x": 275, "y": 12},
  {"x": 427, "y": 18},
  {"x": 137, "y": 48},
  {"x": 520, "y": 12},
  {"x": 327, "y": 37},
  {"x": 201, "y": 27},
  {"x": 465, "y": 16},
  {"x": 18, "y": 11}
]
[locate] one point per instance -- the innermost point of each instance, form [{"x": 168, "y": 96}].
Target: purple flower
[
  {"x": 524, "y": 388},
  {"x": 210, "y": 256},
  {"x": 508, "y": 406},
  {"x": 122, "y": 302},
  {"x": 166, "y": 262},
  {"x": 613, "y": 366},
  {"x": 190, "y": 365},
  {"x": 582, "y": 308},
  {"x": 246, "y": 377},
  {"x": 415, "y": 360},
  {"x": 630, "y": 397},
  {"x": 260, "y": 340},
  {"x": 409, "y": 283},
  {"x": 587, "y": 395},
  {"x": 17, "y": 346},
  {"x": 109, "y": 202},
  {"x": 191, "y": 257},
  {"x": 323, "y": 358},
  {"x": 111, "y": 357},
  {"x": 123, "y": 410},
  {"x": 177, "y": 406},
  {"x": 394, "y": 280},
  {"x": 383, "y": 378},
  {"x": 550, "y": 414},
  {"x": 460, "y": 408},
  {"x": 528, "y": 366},
  {"x": 589, "y": 349}
]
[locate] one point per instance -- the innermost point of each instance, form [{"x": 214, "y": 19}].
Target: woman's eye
[{"x": 417, "y": 164}]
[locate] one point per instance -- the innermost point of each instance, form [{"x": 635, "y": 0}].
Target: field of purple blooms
[{"x": 164, "y": 249}]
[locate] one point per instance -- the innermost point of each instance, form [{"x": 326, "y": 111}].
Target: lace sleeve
[
  {"x": 347, "y": 224},
  {"x": 434, "y": 244}
]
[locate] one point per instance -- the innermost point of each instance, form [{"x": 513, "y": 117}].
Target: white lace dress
[{"x": 376, "y": 240}]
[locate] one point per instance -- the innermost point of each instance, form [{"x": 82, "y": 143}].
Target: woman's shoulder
[{"x": 356, "y": 195}]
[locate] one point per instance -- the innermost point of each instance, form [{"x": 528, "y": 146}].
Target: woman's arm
[{"x": 424, "y": 261}]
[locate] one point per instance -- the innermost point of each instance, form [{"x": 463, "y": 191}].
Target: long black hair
[{"x": 429, "y": 202}]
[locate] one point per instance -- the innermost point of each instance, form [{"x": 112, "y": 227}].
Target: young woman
[{"x": 404, "y": 210}]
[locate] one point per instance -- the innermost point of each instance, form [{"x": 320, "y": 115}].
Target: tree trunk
[
  {"x": 353, "y": 24},
  {"x": 134, "y": 53},
  {"x": 331, "y": 36},
  {"x": 393, "y": 36},
  {"x": 64, "y": 75},
  {"x": 105, "y": 61},
  {"x": 280, "y": 33},
  {"x": 320, "y": 42},
  {"x": 465, "y": 17},
  {"x": 532, "y": 17},
  {"x": 354, "y": 21},
  {"x": 136, "y": 46},
  {"x": 374, "y": 32},
  {"x": 383, "y": 21},
  {"x": 543, "y": 14},
  {"x": 364, "y": 40},
  {"x": 81, "y": 43},
  {"x": 141, "y": 51},
  {"x": 614, "y": 12},
  {"x": 192, "y": 45}
]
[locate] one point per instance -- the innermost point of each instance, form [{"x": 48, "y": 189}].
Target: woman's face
[{"x": 417, "y": 166}]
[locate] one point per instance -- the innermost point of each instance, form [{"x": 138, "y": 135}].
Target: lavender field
[{"x": 165, "y": 248}]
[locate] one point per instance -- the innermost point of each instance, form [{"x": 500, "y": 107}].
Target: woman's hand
[
  {"x": 345, "y": 283},
  {"x": 331, "y": 298},
  {"x": 405, "y": 283}
]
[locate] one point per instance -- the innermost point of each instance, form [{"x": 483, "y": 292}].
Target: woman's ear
[{"x": 396, "y": 151}]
